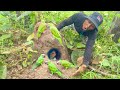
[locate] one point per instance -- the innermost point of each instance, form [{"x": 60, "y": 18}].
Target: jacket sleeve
[
  {"x": 89, "y": 47},
  {"x": 67, "y": 22}
]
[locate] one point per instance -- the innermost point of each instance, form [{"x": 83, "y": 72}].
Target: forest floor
[
  {"x": 42, "y": 72},
  {"x": 18, "y": 71},
  {"x": 16, "y": 54}
]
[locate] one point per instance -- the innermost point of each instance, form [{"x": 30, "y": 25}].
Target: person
[
  {"x": 85, "y": 26},
  {"x": 54, "y": 54}
]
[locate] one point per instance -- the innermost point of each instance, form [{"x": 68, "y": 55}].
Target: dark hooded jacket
[{"x": 78, "y": 19}]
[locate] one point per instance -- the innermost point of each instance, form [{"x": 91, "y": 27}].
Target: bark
[
  {"x": 115, "y": 28},
  {"x": 18, "y": 13}
]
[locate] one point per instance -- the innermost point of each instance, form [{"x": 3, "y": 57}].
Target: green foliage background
[{"x": 104, "y": 49}]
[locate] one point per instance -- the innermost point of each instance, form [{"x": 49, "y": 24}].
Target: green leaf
[
  {"x": 80, "y": 45},
  {"x": 70, "y": 46},
  {"x": 24, "y": 63},
  {"x": 119, "y": 40},
  {"x": 30, "y": 37},
  {"x": 5, "y": 36},
  {"x": 71, "y": 42},
  {"x": 105, "y": 63},
  {"x": 26, "y": 13},
  {"x": 3, "y": 71},
  {"x": 118, "y": 44},
  {"x": 116, "y": 60},
  {"x": 29, "y": 42},
  {"x": 28, "y": 63}
]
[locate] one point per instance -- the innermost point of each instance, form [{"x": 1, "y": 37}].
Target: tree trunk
[
  {"x": 115, "y": 28},
  {"x": 18, "y": 13}
]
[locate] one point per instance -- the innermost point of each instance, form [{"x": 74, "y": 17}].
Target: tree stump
[{"x": 46, "y": 42}]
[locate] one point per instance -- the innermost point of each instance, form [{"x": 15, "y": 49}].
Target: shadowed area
[{"x": 54, "y": 54}]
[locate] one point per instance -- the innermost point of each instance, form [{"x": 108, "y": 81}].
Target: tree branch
[{"x": 103, "y": 73}]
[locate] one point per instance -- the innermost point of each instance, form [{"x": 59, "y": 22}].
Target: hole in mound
[{"x": 54, "y": 54}]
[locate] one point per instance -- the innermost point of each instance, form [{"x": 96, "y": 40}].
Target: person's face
[
  {"x": 88, "y": 25},
  {"x": 53, "y": 54}
]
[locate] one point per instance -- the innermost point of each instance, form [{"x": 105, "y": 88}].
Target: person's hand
[{"x": 81, "y": 69}]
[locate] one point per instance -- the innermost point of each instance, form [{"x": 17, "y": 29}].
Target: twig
[
  {"x": 77, "y": 48},
  {"x": 103, "y": 73}
]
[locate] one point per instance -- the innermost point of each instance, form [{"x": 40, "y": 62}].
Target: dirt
[
  {"x": 42, "y": 45},
  {"x": 42, "y": 72},
  {"x": 46, "y": 41}
]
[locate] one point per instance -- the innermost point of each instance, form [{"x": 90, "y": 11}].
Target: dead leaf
[
  {"x": 6, "y": 52},
  {"x": 29, "y": 49},
  {"x": 95, "y": 62}
]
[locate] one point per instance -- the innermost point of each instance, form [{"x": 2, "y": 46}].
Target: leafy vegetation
[{"x": 16, "y": 26}]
